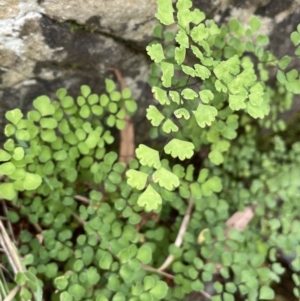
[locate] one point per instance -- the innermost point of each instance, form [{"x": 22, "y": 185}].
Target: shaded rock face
[{"x": 49, "y": 44}]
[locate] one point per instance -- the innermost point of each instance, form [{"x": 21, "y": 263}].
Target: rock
[
  {"x": 129, "y": 20},
  {"x": 8, "y": 11}
]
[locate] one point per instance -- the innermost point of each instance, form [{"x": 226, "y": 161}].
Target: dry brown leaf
[
  {"x": 40, "y": 238},
  {"x": 239, "y": 220},
  {"x": 127, "y": 145}
]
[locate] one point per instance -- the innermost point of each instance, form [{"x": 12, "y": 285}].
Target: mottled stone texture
[
  {"x": 8, "y": 11},
  {"x": 48, "y": 44}
]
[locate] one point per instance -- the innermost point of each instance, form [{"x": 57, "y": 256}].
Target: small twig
[
  {"x": 170, "y": 276},
  {"x": 179, "y": 238},
  {"x": 38, "y": 228},
  {"x": 2, "y": 267},
  {"x": 78, "y": 218},
  {"x": 10, "y": 250},
  {"x": 8, "y": 222},
  {"x": 12, "y": 293},
  {"x": 82, "y": 199},
  {"x": 205, "y": 294},
  {"x": 151, "y": 269}
]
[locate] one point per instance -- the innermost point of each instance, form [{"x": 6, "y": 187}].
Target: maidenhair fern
[
  {"x": 228, "y": 87},
  {"x": 207, "y": 213}
]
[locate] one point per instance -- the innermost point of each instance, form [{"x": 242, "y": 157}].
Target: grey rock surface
[{"x": 48, "y": 44}]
